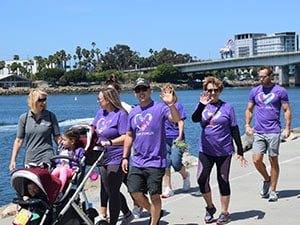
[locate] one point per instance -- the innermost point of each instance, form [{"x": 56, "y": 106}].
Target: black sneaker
[
  {"x": 209, "y": 216},
  {"x": 160, "y": 216},
  {"x": 223, "y": 218}
]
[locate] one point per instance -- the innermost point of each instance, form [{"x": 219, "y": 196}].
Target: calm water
[{"x": 74, "y": 109}]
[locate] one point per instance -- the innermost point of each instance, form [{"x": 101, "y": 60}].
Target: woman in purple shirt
[
  {"x": 175, "y": 133},
  {"x": 110, "y": 122},
  {"x": 219, "y": 128}
]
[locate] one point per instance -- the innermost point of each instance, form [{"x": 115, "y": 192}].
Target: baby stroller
[{"x": 50, "y": 209}]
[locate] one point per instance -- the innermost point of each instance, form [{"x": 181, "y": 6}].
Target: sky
[{"x": 200, "y": 28}]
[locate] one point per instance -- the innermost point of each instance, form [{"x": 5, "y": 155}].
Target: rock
[
  {"x": 8, "y": 210},
  {"x": 189, "y": 160},
  {"x": 247, "y": 142}
]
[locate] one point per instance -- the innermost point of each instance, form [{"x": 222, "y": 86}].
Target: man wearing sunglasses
[
  {"x": 146, "y": 131},
  {"x": 267, "y": 99}
]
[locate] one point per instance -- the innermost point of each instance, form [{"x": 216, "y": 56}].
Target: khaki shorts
[{"x": 266, "y": 143}]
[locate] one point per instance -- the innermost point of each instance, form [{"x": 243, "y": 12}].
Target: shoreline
[{"x": 125, "y": 88}]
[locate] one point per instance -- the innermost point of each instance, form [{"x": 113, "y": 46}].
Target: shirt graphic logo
[
  {"x": 102, "y": 124},
  {"x": 142, "y": 122},
  {"x": 265, "y": 98},
  {"x": 206, "y": 114}
]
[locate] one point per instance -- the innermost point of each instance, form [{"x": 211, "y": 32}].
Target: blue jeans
[{"x": 174, "y": 156}]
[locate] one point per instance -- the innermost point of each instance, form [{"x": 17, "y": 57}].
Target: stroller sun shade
[{"x": 48, "y": 183}]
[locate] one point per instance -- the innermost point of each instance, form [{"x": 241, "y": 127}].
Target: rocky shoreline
[
  {"x": 125, "y": 88},
  {"x": 78, "y": 89}
]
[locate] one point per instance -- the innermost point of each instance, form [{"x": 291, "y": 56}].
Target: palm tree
[{"x": 2, "y": 65}]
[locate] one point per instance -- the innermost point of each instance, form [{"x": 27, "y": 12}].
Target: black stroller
[{"x": 49, "y": 208}]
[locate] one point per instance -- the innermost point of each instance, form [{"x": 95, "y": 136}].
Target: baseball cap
[{"x": 141, "y": 82}]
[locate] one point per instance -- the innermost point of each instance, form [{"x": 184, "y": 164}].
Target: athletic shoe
[
  {"x": 137, "y": 211},
  {"x": 223, "y": 218},
  {"x": 160, "y": 216},
  {"x": 209, "y": 216},
  {"x": 186, "y": 182},
  {"x": 273, "y": 197},
  {"x": 167, "y": 193},
  {"x": 104, "y": 219},
  {"x": 265, "y": 188},
  {"x": 127, "y": 219}
]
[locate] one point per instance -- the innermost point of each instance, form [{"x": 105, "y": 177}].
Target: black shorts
[{"x": 145, "y": 180}]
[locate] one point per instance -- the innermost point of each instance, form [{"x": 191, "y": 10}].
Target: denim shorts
[
  {"x": 266, "y": 143},
  {"x": 174, "y": 156},
  {"x": 145, "y": 180}
]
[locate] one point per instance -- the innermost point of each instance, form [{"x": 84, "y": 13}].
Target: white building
[
  {"x": 9, "y": 78},
  {"x": 251, "y": 44}
]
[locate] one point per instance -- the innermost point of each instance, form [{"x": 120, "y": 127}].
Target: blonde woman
[{"x": 37, "y": 127}]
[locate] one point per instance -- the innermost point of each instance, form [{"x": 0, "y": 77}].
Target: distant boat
[{"x": 75, "y": 99}]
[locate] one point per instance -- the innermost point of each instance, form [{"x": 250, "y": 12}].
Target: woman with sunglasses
[
  {"x": 219, "y": 129},
  {"x": 110, "y": 122},
  {"x": 37, "y": 126}
]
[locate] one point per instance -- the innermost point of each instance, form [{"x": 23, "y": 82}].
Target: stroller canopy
[{"x": 42, "y": 177}]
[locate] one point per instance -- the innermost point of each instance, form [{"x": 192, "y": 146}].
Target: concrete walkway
[{"x": 246, "y": 206}]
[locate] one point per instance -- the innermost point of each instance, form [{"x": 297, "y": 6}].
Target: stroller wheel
[{"x": 102, "y": 222}]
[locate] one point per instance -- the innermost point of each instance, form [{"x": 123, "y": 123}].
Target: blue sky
[{"x": 199, "y": 28}]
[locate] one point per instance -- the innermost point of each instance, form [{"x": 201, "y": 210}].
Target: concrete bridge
[{"x": 282, "y": 61}]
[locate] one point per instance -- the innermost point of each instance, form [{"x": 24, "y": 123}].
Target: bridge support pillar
[
  {"x": 297, "y": 75},
  {"x": 284, "y": 76}
]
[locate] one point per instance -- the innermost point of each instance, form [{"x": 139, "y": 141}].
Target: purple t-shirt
[
  {"x": 172, "y": 129},
  {"x": 148, "y": 127},
  {"x": 268, "y": 102},
  {"x": 216, "y": 138},
  {"x": 110, "y": 126},
  {"x": 79, "y": 152}
]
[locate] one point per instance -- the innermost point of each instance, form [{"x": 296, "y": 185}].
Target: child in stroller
[
  {"x": 71, "y": 209},
  {"x": 38, "y": 190},
  {"x": 71, "y": 147}
]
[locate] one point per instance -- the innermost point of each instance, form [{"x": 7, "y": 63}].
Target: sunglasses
[
  {"x": 100, "y": 99},
  {"x": 140, "y": 88},
  {"x": 212, "y": 90},
  {"x": 263, "y": 76},
  {"x": 42, "y": 99}
]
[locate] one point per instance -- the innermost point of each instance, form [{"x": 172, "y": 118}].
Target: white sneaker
[
  {"x": 137, "y": 211},
  {"x": 167, "y": 193},
  {"x": 186, "y": 182}
]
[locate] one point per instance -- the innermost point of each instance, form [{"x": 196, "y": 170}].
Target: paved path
[{"x": 246, "y": 206}]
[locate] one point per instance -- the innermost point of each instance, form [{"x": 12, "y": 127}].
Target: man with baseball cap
[{"x": 146, "y": 131}]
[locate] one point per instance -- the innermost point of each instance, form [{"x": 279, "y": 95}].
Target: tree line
[{"x": 93, "y": 66}]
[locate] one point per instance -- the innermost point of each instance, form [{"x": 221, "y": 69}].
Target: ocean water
[{"x": 75, "y": 109}]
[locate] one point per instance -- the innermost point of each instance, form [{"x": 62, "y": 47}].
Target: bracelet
[
  {"x": 124, "y": 158},
  {"x": 110, "y": 142},
  {"x": 247, "y": 125}
]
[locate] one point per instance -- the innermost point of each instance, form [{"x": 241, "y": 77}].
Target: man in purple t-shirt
[
  {"x": 146, "y": 130},
  {"x": 267, "y": 99}
]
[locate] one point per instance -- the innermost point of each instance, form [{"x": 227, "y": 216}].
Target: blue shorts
[
  {"x": 174, "y": 156},
  {"x": 263, "y": 143},
  {"x": 145, "y": 180}
]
